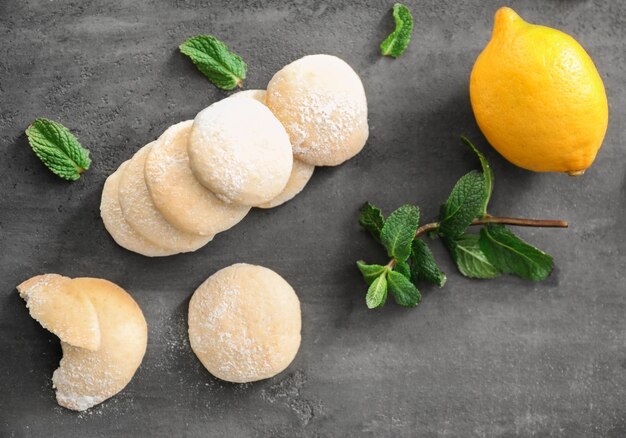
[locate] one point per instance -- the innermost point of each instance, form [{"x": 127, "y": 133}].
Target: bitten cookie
[{"x": 101, "y": 362}]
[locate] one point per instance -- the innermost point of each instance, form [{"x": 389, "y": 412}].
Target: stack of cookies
[{"x": 255, "y": 148}]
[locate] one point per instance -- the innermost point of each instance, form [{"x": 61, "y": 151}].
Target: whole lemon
[{"x": 538, "y": 97}]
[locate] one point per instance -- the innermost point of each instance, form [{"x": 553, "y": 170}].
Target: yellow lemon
[{"x": 538, "y": 97}]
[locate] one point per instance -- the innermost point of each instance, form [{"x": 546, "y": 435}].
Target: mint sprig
[
  {"x": 397, "y": 42},
  {"x": 492, "y": 252},
  {"x": 58, "y": 149},
  {"x": 224, "y": 68}
]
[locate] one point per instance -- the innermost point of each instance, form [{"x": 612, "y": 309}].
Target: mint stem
[{"x": 488, "y": 219}]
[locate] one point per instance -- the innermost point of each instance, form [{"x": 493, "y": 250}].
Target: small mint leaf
[
  {"x": 370, "y": 272},
  {"x": 377, "y": 292},
  {"x": 397, "y": 42},
  {"x": 423, "y": 264},
  {"x": 510, "y": 254},
  {"x": 403, "y": 268},
  {"x": 372, "y": 219},
  {"x": 487, "y": 174},
  {"x": 405, "y": 292},
  {"x": 225, "y": 69},
  {"x": 58, "y": 149},
  {"x": 399, "y": 230},
  {"x": 463, "y": 205},
  {"x": 469, "y": 258}
]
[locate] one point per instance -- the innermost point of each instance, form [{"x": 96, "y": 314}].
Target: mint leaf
[
  {"x": 377, "y": 292},
  {"x": 403, "y": 268},
  {"x": 58, "y": 149},
  {"x": 423, "y": 264},
  {"x": 399, "y": 230},
  {"x": 405, "y": 292},
  {"x": 510, "y": 254},
  {"x": 372, "y": 219},
  {"x": 487, "y": 174},
  {"x": 370, "y": 272},
  {"x": 463, "y": 205},
  {"x": 397, "y": 42},
  {"x": 469, "y": 258},
  {"x": 223, "y": 68}
]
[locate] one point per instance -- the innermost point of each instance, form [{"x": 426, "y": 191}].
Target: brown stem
[{"x": 488, "y": 219}]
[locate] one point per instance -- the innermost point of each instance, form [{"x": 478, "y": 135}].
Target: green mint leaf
[
  {"x": 403, "y": 268},
  {"x": 58, "y": 149},
  {"x": 372, "y": 219},
  {"x": 510, "y": 254},
  {"x": 377, "y": 292},
  {"x": 469, "y": 258},
  {"x": 487, "y": 174},
  {"x": 399, "y": 230},
  {"x": 463, "y": 205},
  {"x": 370, "y": 272},
  {"x": 223, "y": 68},
  {"x": 423, "y": 264},
  {"x": 405, "y": 292},
  {"x": 397, "y": 42}
]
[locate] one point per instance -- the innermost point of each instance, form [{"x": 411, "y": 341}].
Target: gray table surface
[{"x": 494, "y": 358}]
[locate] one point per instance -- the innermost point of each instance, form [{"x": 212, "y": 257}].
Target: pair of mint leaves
[
  {"x": 227, "y": 70},
  {"x": 492, "y": 252}
]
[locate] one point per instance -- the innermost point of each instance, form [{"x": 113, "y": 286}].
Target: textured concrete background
[{"x": 477, "y": 358}]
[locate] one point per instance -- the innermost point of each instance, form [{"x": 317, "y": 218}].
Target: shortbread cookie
[
  {"x": 321, "y": 102},
  {"x": 301, "y": 172},
  {"x": 143, "y": 216},
  {"x": 240, "y": 151},
  {"x": 177, "y": 194},
  {"x": 244, "y": 323}
]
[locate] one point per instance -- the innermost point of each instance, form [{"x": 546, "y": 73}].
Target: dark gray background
[{"x": 503, "y": 357}]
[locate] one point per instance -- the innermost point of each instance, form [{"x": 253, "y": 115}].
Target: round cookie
[
  {"x": 119, "y": 229},
  {"x": 301, "y": 172},
  {"x": 244, "y": 323},
  {"x": 177, "y": 194},
  {"x": 321, "y": 102},
  {"x": 300, "y": 175},
  {"x": 143, "y": 216},
  {"x": 240, "y": 151}
]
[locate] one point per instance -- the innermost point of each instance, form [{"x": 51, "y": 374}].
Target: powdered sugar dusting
[{"x": 240, "y": 151}]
